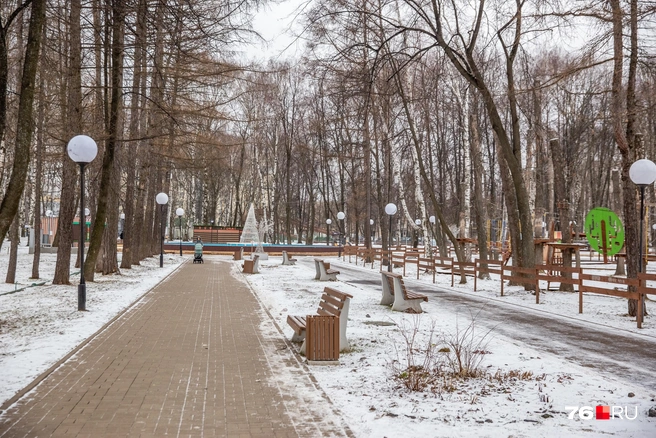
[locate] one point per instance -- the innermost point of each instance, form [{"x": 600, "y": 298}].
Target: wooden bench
[
  {"x": 252, "y": 266},
  {"x": 404, "y": 300},
  {"x": 323, "y": 271},
  {"x": 286, "y": 260},
  {"x": 333, "y": 302}
]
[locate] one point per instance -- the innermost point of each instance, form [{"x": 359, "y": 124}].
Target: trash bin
[{"x": 322, "y": 338}]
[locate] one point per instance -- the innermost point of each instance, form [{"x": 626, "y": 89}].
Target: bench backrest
[
  {"x": 332, "y": 302},
  {"x": 390, "y": 279}
]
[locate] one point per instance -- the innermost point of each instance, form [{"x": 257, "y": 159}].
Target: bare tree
[{"x": 25, "y": 121}]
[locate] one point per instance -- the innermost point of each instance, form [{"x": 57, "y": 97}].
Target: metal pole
[
  {"x": 180, "y": 219},
  {"x": 642, "y": 226},
  {"x": 161, "y": 242},
  {"x": 339, "y": 248},
  {"x": 328, "y": 236},
  {"x": 389, "y": 246},
  {"x": 82, "y": 287}
]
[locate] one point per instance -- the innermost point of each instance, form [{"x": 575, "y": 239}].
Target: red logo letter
[{"x": 603, "y": 412}]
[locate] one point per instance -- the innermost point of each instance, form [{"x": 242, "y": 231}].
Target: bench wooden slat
[
  {"x": 330, "y": 302},
  {"x": 333, "y": 303},
  {"x": 404, "y": 300},
  {"x": 297, "y": 323},
  {"x": 323, "y": 271}
]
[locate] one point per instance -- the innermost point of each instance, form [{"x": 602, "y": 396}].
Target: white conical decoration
[{"x": 249, "y": 234}]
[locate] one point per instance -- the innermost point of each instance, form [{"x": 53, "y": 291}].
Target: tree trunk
[
  {"x": 25, "y": 121},
  {"x": 72, "y": 126},
  {"x": 562, "y": 202},
  {"x": 479, "y": 201},
  {"x": 14, "y": 237},
  {"x": 625, "y": 111},
  {"x": 110, "y": 149},
  {"x": 38, "y": 190},
  {"x": 132, "y": 149}
]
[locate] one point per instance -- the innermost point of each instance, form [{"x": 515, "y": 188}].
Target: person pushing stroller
[{"x": 198, "y": 251}]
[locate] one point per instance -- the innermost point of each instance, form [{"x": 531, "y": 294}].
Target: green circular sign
[{"x": 604, "y": 231}]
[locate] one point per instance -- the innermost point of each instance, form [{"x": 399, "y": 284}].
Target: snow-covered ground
[{"x": 520, "y": 391}]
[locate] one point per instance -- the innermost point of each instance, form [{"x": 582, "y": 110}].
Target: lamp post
[
  {"x": 340, "y": 217},
  {"x": 642, "y": 173},
  {"x": 371, "y": 223},
  {"x": 180, "y": 213},
  {"x": 328, "y": 222},
  {"x": 390, "y": 209},
  {"x": 162, "y": 199},
  {"x": 212, "y": 231},
  {"x": 82, "y": 149},
  {"x": 48, "y": 215},
  {"x": 432, "y": 221},
  {"x": 122, "y": 216}
]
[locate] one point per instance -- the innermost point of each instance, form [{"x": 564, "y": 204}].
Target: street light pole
[
  {"x": 371, "y": 223},
  {"x": 180, "y": 213},
  {"x": 48, "y": 215},
  {"x": 328, "y": 222},
  {"x": 643, "y": 174},
  {"x": 390, "y": 209},
  {"x": 340, "y": 217},
  {"x": 432, "y": 221},
  {"x": 162, "y": 199},
  {"x": 122, "y": 216},
  {"x": 82, "y": 149}
]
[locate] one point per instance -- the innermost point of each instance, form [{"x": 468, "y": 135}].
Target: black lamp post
[
  {"x": 180, "y": 213},
  {"x": 328, "y": 222},
  {"x": 373, "y": 236},
  {"x": 340, "y": 217},
  {"x": 48, "y": 215},
  {"x": 432, "y": 222},
  {"x": 82, "y": 149},
  {"x": 162, "y": 199},
  {"x": 643, "y": 174},
  {"x": 390, "y": 209},
  {"x": 122, "y": 216}
]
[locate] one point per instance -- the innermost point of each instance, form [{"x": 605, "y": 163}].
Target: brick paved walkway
[{"x": 197, "y": 356}]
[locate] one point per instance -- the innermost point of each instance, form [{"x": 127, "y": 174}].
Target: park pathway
[{"x": 197, "y": 356}]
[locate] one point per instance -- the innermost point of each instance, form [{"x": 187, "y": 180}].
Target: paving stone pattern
[{"x": 197, "y": 356}]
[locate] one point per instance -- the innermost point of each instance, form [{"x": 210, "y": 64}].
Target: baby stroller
[{"x": 198, "y": 253}]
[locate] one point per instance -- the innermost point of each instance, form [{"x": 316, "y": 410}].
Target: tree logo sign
[{"x": 604, "y": 231}]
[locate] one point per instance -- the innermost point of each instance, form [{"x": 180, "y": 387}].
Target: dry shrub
[{"x": 441, "y": 363}]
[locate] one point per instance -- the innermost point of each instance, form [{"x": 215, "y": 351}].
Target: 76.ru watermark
[{"x": 602, "y": 412}]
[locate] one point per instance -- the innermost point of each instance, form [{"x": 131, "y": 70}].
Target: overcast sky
[{"x": 277, "y": 23}]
